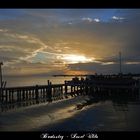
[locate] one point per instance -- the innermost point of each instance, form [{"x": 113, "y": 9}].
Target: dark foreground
[{"x": 85, "y": 113}]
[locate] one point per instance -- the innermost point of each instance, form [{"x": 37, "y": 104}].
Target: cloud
[
  {"x": 87, "y": 19},
  {"x": 132, "y": 63},
  {"x": 23, "y": 46},
  {"x": 117, "y": 18},
  {"x": 44, "y": 36},
  {"x": 90, "y": 19},
  {"x": 96, "y": 20},
  {"x": 91, "y": 68}
]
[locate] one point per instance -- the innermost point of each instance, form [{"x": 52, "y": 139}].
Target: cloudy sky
[{"x": 69, "y": 41}]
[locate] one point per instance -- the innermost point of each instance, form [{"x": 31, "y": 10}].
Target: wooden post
[
  {"x": 78, "y": 90},
  {"x": 2, "y": 95},
  {"x": 61, "y": 88},
  {"x": 43, "y": 96},
  {"x": 81, "y": 88},
  {"x": 29, "y": 94},
  {"x": 12, "y": 95},
  {"x": 6, "y": 95},
  {"x": 53, "y": 93},
  {"x": 42, "y": 91},
  {"x": 86, "y": 89},
  {"x": 74, "y": 89},
  {"x": 26, "y": 94},
  {"x": 48, "y": 82},
  {"x": 36, "y": 94},
  {"x": 71, "y": 88},
  {"x": 66, "y": 89},
  {"x": 23, "y": 96},
  {"x": 59, "y": 92},
  {"x": 33, "y": 91},
  {"x": 45, "y": 93},
  {"x": 49, "y": 92},
  {"x": 18, "y": 96}
]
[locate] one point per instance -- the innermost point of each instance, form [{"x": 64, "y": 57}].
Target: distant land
[{"x": 65, "y": 75}]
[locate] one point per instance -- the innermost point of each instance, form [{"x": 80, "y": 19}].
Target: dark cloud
[{"x": 104, "y": 69}]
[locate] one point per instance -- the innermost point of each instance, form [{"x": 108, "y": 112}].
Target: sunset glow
[
  {"x": 59, "y": 41},
  {"x": 76, "y": 59}
]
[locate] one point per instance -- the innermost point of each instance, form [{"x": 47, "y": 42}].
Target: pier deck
[{"x": 75, "y": 87}]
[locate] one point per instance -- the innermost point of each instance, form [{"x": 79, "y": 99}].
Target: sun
[{"x": 76, "y": 59}]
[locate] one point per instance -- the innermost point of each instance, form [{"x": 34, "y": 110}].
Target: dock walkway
[{"x": 75, "y": 87}]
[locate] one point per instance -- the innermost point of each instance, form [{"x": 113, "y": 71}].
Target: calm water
[
  {"x": 114, "y": 112},
  {"x": 106, "y": 113},
  {"x": 29, "y": 81}
]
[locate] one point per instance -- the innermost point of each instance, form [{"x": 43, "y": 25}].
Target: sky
[{"x": 69, "y": 41}]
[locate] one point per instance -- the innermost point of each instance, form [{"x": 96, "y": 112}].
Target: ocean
[
  {"x": 106, "y": 114},
  {"x": 16, "y": 81}
]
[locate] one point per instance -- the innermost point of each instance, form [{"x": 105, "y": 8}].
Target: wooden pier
[{"x": 76, "y": 87}]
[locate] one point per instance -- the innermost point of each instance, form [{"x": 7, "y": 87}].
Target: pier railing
[
  {"x": 39, "y": 93},
  {"x": 51, "y": 92}
]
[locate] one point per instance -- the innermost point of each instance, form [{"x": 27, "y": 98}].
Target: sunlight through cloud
[{"x": 76, "y": 59}]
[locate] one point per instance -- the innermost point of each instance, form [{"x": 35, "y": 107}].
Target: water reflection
[
  {"x": 119, "y": 100},
  {"x": 102, "y": 111},
  {"x": 7, "y": 106}
]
